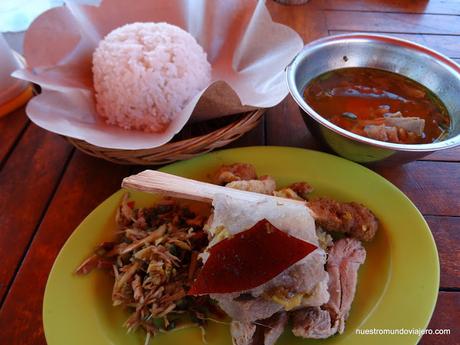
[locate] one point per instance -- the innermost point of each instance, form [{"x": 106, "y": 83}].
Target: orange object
[{"x": 17, "y": 101}]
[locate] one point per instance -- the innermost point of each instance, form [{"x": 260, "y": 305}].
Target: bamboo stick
[{"x": 152, "y": 181}]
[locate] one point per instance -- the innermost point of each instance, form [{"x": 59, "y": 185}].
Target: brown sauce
[{"x": 378, "y": 104}]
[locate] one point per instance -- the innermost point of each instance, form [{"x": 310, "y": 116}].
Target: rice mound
[{"x": 145, "y": 73}]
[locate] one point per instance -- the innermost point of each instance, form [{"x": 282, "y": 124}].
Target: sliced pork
[
  {"x": 344, "y": 260},
  {"x": 274, "y": 327},
  {"x": 261, "y": 332}
]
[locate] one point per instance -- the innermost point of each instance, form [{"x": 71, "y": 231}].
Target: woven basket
[{"x": 186, "y": 144}]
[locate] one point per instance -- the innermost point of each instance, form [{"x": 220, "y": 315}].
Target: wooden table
[{"x": 47, "y": 187}]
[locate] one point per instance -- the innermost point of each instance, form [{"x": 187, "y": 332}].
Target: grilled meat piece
[
  {"x": 350, "y": 218},
  {"x": 234, "y": 172},
  {"x": 302, "y": 189}
]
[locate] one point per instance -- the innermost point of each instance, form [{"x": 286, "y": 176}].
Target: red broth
[{"x": 378, "y": 104}]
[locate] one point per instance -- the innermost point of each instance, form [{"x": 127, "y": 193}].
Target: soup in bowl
[{"x": 376, "y": 99}]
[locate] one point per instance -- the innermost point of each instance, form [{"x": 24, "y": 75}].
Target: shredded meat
[
  {"x": 350, "y": 218},
  {"x": 234, "y": 172},
  {"x": 154, "y": 261}
]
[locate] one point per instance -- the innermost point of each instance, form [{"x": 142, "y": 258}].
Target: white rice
[{"x": 145, "y": 73}]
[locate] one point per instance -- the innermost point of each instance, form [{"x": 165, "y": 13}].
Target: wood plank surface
[
  {"x": 285, "y": 127},
  {"x": 401, "y": 6},
  {"x": 393, "y": 22},
  {"x": 27, "y": 182},
  {"x": 87, "y": 182},
  {"x": 11, "y": 128},
  {"x": 447, "y": 236},
  {"x": 445, "y": 316},
  {"x": 308, "y": 20},
  {"x": 432, "y": 186},
  {"x": 451, "y": 155}
]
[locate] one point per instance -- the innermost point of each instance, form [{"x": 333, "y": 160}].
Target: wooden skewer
[{"x": 152, "y": 181}]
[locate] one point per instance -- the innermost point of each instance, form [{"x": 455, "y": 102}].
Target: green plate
[{"x": 397, "y": 288}]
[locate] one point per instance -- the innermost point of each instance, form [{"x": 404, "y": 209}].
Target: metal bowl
[{"x": 437, "y": 72}]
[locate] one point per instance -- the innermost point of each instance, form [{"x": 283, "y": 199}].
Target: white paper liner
[{"x": 247, "y": 50}]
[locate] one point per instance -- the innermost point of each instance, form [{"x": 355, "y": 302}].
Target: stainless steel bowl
[{"x": 437, "y": 72}]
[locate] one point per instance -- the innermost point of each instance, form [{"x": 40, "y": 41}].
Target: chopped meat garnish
[
  {"x": 287, "y": 193},
  {"x": 303, "y": 189},
  {"x": 234, "y": 172},
  {"x": 266, "y": 185},
  {"x": 296, "y": 191},
  {"x": 351, "y": 218}
]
